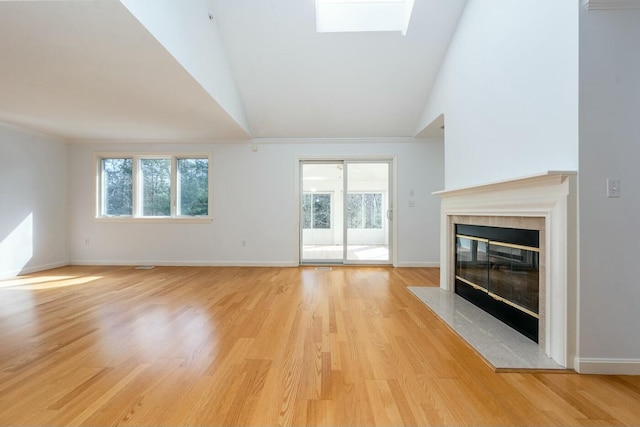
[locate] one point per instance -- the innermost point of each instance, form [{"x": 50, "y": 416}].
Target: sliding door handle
[{"x": 390, "y": 214}]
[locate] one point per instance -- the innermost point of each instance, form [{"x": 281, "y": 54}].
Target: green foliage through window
[
  {"x": 193, "y": 178},
  {"x": 117, "y": 187},
  {"x": 364, "y": 210},
  {"x": 158, "y": 193},
  {"x": 316, "y": 210},
  {"x": 156, "y": 187}
]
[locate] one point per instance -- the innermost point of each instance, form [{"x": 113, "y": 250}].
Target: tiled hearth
[{"x": 501, "y": 346}]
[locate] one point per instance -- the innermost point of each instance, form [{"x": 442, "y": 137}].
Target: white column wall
[
  {"x": 609, "y": 305},
  {"x": 508, "y": 89},
  {"x": 33, "y": 202}
]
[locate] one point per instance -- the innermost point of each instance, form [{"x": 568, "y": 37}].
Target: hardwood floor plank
[
  {"x": 105, "y": 396},
  {"x": 567, "y": 389},
  {"x": 264, "y": 346},
  {"x": 79, "y": 390},
  {"x": 245, "y": 400},
  {"x": 385, "y": 410},
  {"x": 401, "y": 402}
]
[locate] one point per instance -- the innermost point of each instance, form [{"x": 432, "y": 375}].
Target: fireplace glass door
[
  {"x": 514, "y": 274},
  {"x": 498, "y": 276},
  {"x": 472, "y": 261}
]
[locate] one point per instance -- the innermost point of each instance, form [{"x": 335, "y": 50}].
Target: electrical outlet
[
  {"x": 244, "y": 243},
  {"x": 613, "y": 187}
]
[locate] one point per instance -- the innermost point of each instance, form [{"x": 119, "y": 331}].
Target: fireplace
[
  {"x": 545, "y": 203},
  {"x": 497, "y": 269}
]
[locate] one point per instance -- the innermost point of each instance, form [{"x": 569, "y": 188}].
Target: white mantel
[{"x": 549, "y": 195}]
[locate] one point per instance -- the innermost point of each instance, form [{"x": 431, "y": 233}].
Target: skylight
[{"x": 339, "y": 16}]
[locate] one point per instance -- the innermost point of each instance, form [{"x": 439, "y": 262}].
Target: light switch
[{"x": 613, "y": 187}]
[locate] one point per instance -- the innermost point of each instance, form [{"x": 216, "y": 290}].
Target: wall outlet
[
  {"x": 613, "y": 187},
  {"x": 244, "y": 243},
  {"x": 412, "y": 203}
]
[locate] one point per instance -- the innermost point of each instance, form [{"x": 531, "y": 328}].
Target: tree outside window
[
  {"x": 156, "y": 187},
  {"x": 316, "y": 210},
  {"x": 117, "y": 183},
  {"x": 364, "y": 210},
  {"x": 193, "y": 178},
  {"x": 158, "y": 193}
]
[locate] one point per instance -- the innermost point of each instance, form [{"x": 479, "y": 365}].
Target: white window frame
[{"x": 137, "y": 188}]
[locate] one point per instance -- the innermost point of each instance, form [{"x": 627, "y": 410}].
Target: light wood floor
[{"x": 264, "y": 346}]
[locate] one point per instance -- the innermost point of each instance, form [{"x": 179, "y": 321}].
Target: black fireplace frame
[{"x": 525, "y": 323}]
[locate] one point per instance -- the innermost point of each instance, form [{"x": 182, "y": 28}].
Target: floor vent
[
  {"x": 145, "y": 267},
  {"x": 324, "y": 268}
]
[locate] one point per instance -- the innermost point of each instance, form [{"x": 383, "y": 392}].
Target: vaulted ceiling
[{"x": 90, "y": 69}]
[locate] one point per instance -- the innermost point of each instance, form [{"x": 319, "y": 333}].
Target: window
[
  {"x": 156, "y": 187},
  {"x": 364, "y": 210},
  {"x": 117, "y": 187},
  {"x": 153, "y": 186},
  {"x": 193, "y": 188},
  {"x": 337, "y": 16},
  {"x": 316, "y": 210}
]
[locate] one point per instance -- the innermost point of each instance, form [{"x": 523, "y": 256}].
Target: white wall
[
  {"x": 253, "y": 200},
  {"x": 609, "y": 304},
  {"x": 185, "y": 30},
  {"x": 33, "y": 202},
  {"x": 508, "y": 89}
]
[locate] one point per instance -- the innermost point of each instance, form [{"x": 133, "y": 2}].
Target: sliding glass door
[
  {"x": 345, "y": 212},
  {"x": 321, "y": 218},
  {"x": 368, "y": 212}
]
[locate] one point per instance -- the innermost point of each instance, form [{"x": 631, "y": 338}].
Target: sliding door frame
[{"x": 393, "y": 223}]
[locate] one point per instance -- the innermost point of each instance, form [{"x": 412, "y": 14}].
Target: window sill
[{"x": 158, "y": 220}]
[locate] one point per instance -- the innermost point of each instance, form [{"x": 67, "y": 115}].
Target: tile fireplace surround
[{"x": 544, "y": 202}]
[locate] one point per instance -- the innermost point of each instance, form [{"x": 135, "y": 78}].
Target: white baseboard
[
  {"x": 186, "y": 263},
  {"x": 418, "y": 264},
  {"x": 587, "y": 365},
  {"x": 219, "y": 263},
  {"x": 34, "y": 269}
]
